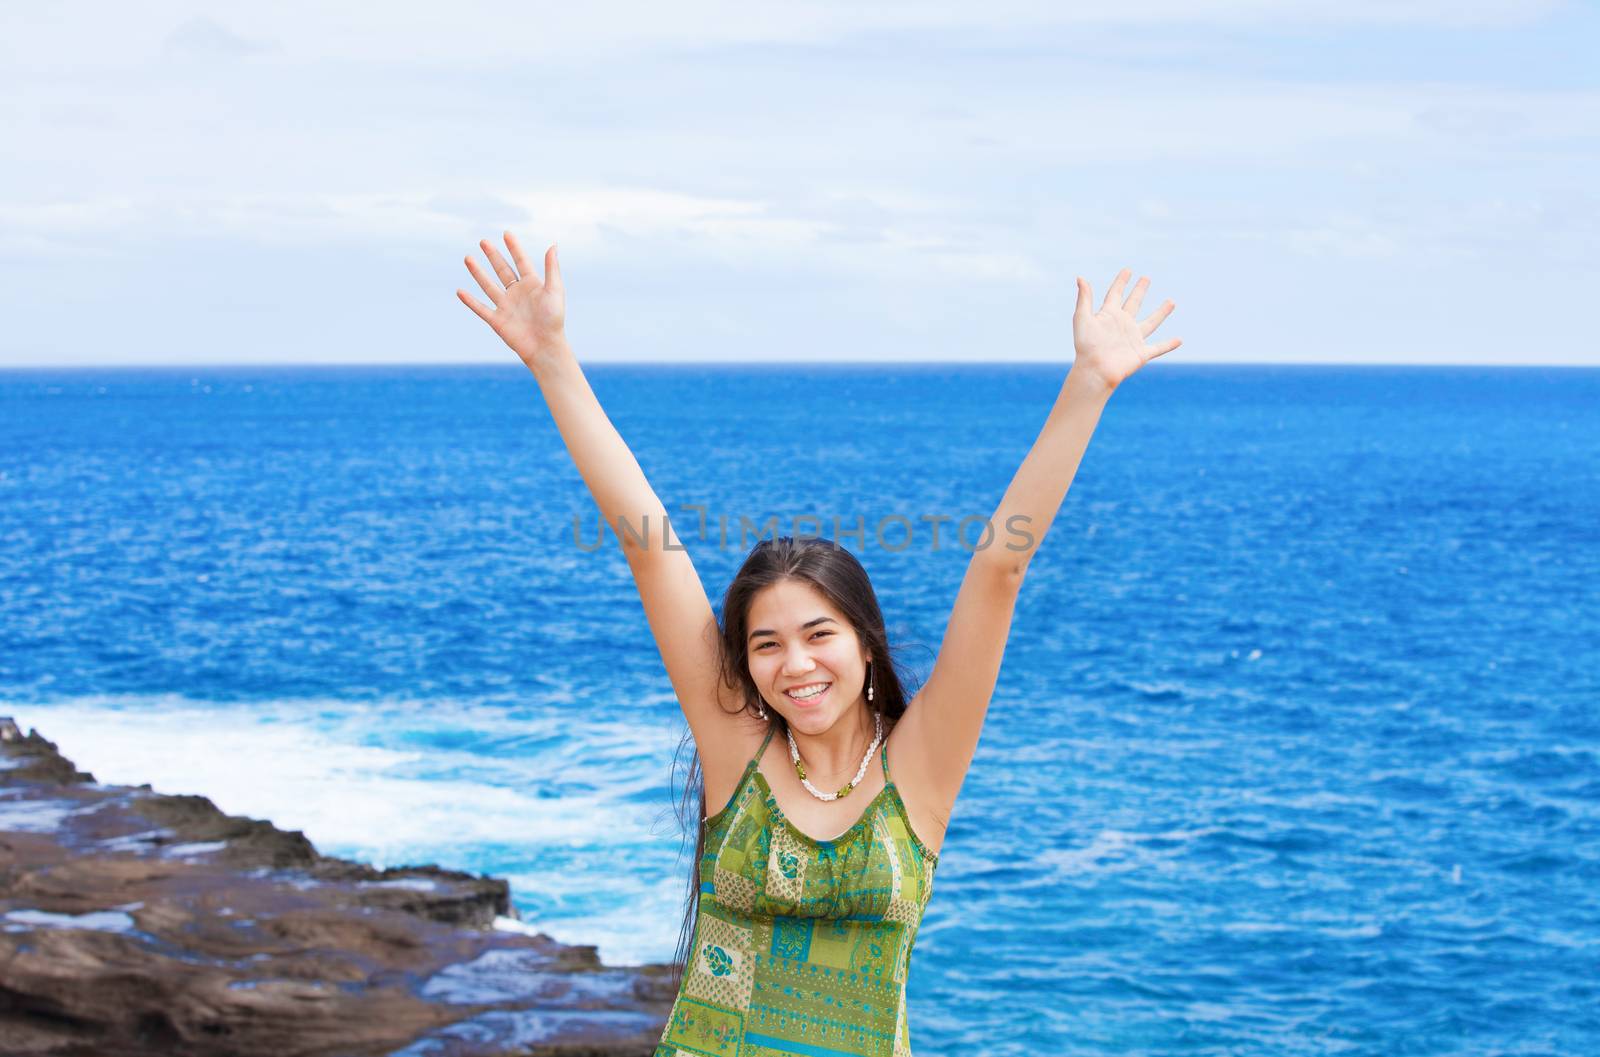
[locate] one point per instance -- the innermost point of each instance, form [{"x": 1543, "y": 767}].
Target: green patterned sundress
[{"x": 801, "y": 946}]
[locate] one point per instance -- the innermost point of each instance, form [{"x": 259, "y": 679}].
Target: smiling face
[{"x": 798, "y": 639}]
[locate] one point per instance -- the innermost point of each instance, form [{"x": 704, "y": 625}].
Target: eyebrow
[{"x": 810, "y": 623}]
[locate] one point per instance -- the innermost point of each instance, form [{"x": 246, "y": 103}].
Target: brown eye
[{"x": 764, "y": 645}]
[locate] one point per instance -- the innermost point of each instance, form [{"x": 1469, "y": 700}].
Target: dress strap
[
  {"x": 885, "y": 755},
  {"x": 754, "y": 764}
]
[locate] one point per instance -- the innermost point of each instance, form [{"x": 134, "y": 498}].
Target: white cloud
[
  {"x": 206, "y": 37},
  {"x": 958, "y": 153}
]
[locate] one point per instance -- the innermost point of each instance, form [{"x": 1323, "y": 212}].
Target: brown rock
[{"x": 141, "y": 924}]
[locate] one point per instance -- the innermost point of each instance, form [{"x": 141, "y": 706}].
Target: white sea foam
[
  {"x": 632, "y": 916},
  {"x": 313, "y": 765},
  {"x": 103, "y": 920},
  {"x": 415, "y": 884},
  {"x": 179, "y": 851},
  {"x": 35, "y": 816},
  {"x": 505, "y": 924},
  {"x": 310, "y": 766},
  {"x": 619, "y": 938}
]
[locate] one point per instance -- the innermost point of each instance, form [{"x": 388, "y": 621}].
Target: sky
[{"x": 1351, "y": 181}]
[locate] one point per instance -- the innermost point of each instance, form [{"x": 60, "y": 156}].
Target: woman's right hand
[{"x": 529, "y": 314}]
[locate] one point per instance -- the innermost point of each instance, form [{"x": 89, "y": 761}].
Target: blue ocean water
[{"x": 1296, "y": 747}]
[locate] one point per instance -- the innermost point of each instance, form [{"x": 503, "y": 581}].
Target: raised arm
[
  {"x": 529, "y": 314},
  {"x": 945, "y": 719}
]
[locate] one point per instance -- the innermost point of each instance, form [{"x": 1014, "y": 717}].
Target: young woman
[{"x": 811, "y": 876}]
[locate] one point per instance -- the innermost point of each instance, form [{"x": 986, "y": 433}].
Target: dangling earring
[
  {"x": 761, "y": 709},
  {"x": 869, "y": 680}
]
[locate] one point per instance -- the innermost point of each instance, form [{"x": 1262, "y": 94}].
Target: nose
[{"x": 796, "y": 662}]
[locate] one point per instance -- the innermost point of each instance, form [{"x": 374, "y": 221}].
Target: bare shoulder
[
  {"x": 928, "y": 795},
  {"x": 727, "y": 749}
]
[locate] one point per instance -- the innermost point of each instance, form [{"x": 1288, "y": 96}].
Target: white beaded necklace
[{"x": 861, "y": 772}]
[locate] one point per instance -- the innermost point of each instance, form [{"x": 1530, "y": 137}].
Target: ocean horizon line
[{"x": 1185, "y": 366}]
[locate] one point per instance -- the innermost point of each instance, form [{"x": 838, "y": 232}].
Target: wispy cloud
[
  {"x": 202, "y": 36},
  {"x": 890, "y": 160},
  {"x": 473, "y": 30}
]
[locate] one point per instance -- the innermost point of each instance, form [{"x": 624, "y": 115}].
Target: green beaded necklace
[{"x": 800, "y": 767}]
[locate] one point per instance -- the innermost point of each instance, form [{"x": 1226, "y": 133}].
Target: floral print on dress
[{"x": 718, "y": 960}]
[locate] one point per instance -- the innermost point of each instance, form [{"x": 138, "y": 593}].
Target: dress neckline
[
  {"x": 861, "y": 820},
  {"x": 753, "y": 769}
]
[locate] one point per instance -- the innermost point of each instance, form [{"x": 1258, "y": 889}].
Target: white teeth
[{"x": 810, "y": 693}]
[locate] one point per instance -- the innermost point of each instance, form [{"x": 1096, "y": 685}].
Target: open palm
[
  {"x": 1109, "y": 343},
  {"x": 529, "y": 313}
]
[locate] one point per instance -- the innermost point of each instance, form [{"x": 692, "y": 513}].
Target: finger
[
  {"x": 1156, "y": 318},
  {"x": 1163, "y": 349},
  {"x": 517, "y": 256},
  {"x": 552, "y": 269},
  {"x": 1114, "y": 294},
  {"x": 489, "y": 287},
  {"x": 484, "y": 313},
  {"x": 1137, "y": 297},
  {"x": 1085, "y": 298},
  {"x": 507, "y": 274}
]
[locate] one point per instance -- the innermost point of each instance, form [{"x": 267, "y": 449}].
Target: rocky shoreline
[{"x": 137, "y": 923}]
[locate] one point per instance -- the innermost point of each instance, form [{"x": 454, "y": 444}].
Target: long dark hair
[{"x": 836, "y": 574}]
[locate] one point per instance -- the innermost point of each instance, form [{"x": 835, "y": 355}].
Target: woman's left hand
[{"x": 1110, "y": 343}]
